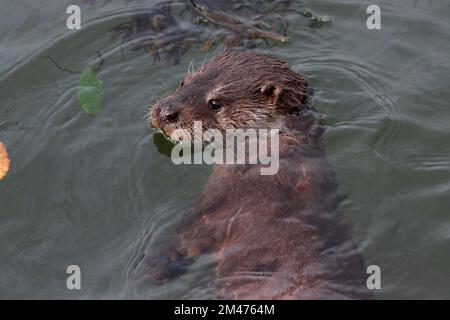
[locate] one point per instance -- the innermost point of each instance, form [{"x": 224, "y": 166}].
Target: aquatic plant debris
[
  {"x": 4, "y": 161},
  {"x": 314, "y": 21},
  {"x": 166, "y": 29},
  {"x": 90, "y": 91},
  {"x": 317, "y": 22},
  {"x": 235, "y": 24}
]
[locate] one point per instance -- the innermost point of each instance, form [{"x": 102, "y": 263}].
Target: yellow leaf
[{"x": 4, "y": 161}]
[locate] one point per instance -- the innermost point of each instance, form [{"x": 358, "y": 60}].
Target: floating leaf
[
  {"x": 4, "y": 161},
  {"x": 307, "y": 13},
  {"x": 90, "y": 91},
  {"x": 325, "y": 19}
]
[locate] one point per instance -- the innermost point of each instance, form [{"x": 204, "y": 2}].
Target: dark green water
[{"x": 95, "y": 191}]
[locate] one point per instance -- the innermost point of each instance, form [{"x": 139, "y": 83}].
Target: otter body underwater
[{"x": 274, "y": 237}]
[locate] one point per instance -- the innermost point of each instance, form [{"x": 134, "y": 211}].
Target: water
[{"x": 95, "y": 191}]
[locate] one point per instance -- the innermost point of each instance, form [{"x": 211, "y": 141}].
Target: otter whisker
[
  {"x": 191, "y": 70},
  {"x": 148, "y": 114},
  {"x": 230, "y": 84},
  {"x": 204, "y": 61}
]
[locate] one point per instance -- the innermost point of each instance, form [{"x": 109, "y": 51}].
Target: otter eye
[{"x": 215, "y": 104}]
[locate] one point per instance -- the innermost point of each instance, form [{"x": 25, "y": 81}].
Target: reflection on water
[{"x": 99, "y": 191}]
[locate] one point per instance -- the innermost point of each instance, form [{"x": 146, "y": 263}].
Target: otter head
[{"x": 233, "y": 90}]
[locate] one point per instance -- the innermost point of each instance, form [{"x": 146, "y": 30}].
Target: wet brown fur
[{"x": 274, "y": 237}]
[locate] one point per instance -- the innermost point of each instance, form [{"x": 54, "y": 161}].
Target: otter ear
[
  {"x": 285, "y": 100},
  {"x": 270, "y": 93}
]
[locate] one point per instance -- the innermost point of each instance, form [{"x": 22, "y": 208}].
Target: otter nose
[{"x": 168, "y": 113}]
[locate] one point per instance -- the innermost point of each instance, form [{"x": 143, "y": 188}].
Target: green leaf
[{"x": 90, "y": 91}]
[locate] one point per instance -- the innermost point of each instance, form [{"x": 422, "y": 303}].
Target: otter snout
[{"x": 163, "y": 114}]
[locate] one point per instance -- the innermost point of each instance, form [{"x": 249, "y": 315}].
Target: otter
[{"x": 274, "y": 236}]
